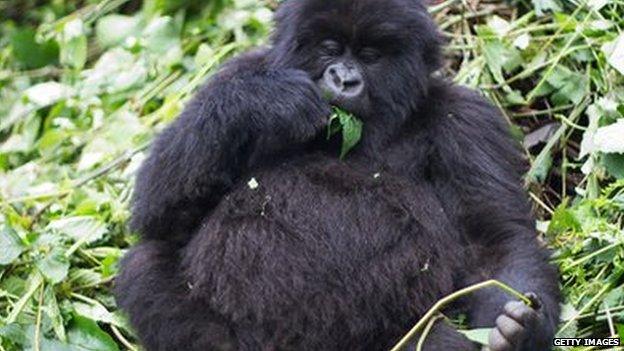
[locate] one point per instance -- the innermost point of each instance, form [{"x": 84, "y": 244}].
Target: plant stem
[{"x": 452, "y": 297}]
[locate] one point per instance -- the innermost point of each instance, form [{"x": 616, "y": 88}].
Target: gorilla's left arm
[{"x": 478, "y": 165}]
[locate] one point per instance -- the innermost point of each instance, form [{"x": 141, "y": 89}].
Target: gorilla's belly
[{"x": 324, "y": 233}]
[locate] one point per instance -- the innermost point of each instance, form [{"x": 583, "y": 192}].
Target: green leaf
[
  {"x": 541, "y": 168},
  {"x": 614, "y": 163},
  {"x": 116, "y": 71},
  {"x": 97, "y": 312},
  {"x": 85, "y": 335},
  {"x": 614, "y": 51},
  {"x": 10, "y": 244},
  {"x": 569, "y": 86},
  {"x": 31, "y": 54},
  {"x": 53, "y": 312},
  {"x": 350, "y": 126},
  {"x": 54, "y": 266},
  {"x": 118, "y": 136},
  {"x": 610, "y": 139},
  {"x": 74, "y": 45},
  {"x": 564, "y": 220},
  {"x": 480, "y": 336},
  {"x": 161, "y": 35},
  {"x": 545, "y": 5},
  {"x": 48, "y": 93},
  {"x": 85, "y": 229},
  {"x": 14, "y": 333},
  {"x": 620, "y": 330},
  {"x": 114, "y": 29}
]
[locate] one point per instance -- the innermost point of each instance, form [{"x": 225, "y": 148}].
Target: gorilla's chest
[
  {"x": 334, "y": 207},
  {"x": 322, "y": 232}
]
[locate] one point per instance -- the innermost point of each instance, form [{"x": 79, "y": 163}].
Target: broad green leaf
[
  {"x": 522, "y": 41},
  {"x": 614, "y": 163},
  {"x": 98, "y": 313},
  {"x": 85, "y": 229},
  {"x": 84, "y": 277},
  {"x": 350, "y": 126},
  {"x": 498, "y": 25},
  {"x": 570, "y": 87},
  {"x": 588, "y": 146},
  {"x": 564, "y": 220},
  {"x": 351, "y": 133},
  {"x": 480, "y": 336},
  {"x": 52, "y": 310},
  {"x": 14, "y": 333},
  {"x": 615, "y": 53},
  {"x": 204, "y": 54},
  {"x": 114, "y": 29},
  {"x": 118, "y": 136},
  {"x": 74, "y": 45},
  {"x": 620, "y": 330},
  {"x": 540, "y": 168},
  {"x": 161, "y": 35},
  {"x": 10, "y": 245},
  {"x": 54, "y": 266},
  {"x": 499, "y": 56},
  {"x": 116, "y": 71},
  {"x": 542, "y": 6},
  {"x": 85, "y": 335},
  {"x": 610, "y": 139},
  {"x": 46, "y": 94},
  {"x": 30, "y": 53}
]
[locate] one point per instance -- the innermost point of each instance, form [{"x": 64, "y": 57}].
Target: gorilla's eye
[
  {"x": 369, "y": 55},
  {"x": 331, "y": 47}
]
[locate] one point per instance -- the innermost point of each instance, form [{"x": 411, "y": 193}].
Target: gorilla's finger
[
  {"x": 497, "y": 341},
  {"x": 536, "y": 302},
  {"x": 520, "y": 312},
  {"x": 509, "y": 328}
]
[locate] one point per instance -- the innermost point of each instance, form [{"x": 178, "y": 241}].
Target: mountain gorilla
[{"x": 330, "y": 254}]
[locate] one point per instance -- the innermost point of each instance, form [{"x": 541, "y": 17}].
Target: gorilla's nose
[{"x": 343, "y": 81}]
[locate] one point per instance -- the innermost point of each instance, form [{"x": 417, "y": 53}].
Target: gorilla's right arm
[{"x": 245, "y": 114}]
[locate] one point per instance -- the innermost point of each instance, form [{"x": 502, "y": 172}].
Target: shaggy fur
[{"x": 329, "y": 254}]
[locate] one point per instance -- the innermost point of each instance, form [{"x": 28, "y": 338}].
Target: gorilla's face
[{"x": 370, "y": 57}]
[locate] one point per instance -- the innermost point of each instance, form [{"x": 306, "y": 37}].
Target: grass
[{"x": 85, "y": 85}]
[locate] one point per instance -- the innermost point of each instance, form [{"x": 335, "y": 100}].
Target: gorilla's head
[{"x": 368, "y": 56}]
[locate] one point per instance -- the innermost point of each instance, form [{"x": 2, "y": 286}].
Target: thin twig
[
  {"x": 452, "y": 297},
  {"x": 122, "y": 339},
  {"x": 425, "y": 333}
]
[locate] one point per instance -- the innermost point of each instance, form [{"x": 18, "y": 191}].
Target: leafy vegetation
[{"x": 85, "y": 85}]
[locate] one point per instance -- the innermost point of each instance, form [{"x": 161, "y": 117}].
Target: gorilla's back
[{"x": 303, "y": 250}]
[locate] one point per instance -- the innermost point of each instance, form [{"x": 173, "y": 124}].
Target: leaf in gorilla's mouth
[{"x": 350, "y": 126}]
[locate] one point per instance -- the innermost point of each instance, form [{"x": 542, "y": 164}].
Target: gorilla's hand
[
  {"x": 286, "y": 107},
  {"x": 240, "y": 119},
  {"x": 519, "y": 327}
]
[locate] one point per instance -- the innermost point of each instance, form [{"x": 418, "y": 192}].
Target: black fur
[{"x": 331, "y": 254}]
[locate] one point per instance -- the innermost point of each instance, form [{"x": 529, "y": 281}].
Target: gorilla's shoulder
[
  {"x": 251, "y": 62},
  {"x": 465, "y": 108}
]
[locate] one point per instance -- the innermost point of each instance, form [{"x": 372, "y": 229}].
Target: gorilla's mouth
[{"x": 357, "y": 104}]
